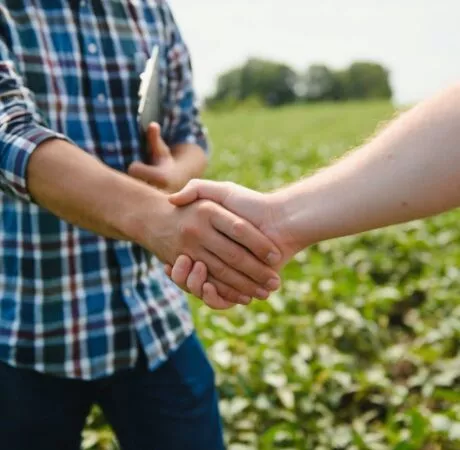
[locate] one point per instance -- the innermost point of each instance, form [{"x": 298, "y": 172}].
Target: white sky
[{"x": 418, "y": 40}]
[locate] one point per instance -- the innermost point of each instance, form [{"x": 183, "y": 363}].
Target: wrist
[
  {"x": 146, "y": 222},
  {"x": 282, "y": 221},
  {"x": 291, "y": 219}
]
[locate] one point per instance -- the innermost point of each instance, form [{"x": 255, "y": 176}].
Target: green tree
[
  {"x": 271, "y": 82},
  {"x": 361, "y": 80},
  {"x": 365, "y": 80},
  {"x": 321, "y": 84}
]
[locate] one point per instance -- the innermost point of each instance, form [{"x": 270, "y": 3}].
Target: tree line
[{"x": 275, "y": 84}]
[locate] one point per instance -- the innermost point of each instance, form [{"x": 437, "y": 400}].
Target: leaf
[
  {"x": 405, "y": 446},
  {"x": 287, "y": 397},
  {"x": 323, "y": 318},
  {"x": 440, "y": 422},
  {"x": 418, "y": 428},
  {"x": 447, "y": 394},
  {"x": 276, "y": 380},
  {"x": 454, "y": 432}
]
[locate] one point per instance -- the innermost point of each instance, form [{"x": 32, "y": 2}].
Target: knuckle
[
  {"x": 245, "y": 302},
  {"x": 239, "y": 228},
  {"x": 193, "y": 288},
  {"x": 230, "y": 295},
  {"x": 264, "y": 274},
  {"x": 235, "y": 256},
  {"x": 229, "y": 184},
  {"x": 223, "y": 290},
  {"x": 204, "y": 208},
  {"x": 189, "y": 229},
  {"x": 219, "y": 270},
  {"x": 160, "y": 180}
]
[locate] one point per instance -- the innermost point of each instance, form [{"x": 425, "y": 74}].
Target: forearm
[
  {"x": 409, "y": 171},
  {"x": 83, "y": 191}
]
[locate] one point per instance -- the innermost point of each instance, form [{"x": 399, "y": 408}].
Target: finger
[
  {"x": 181, "y": 270},
  {"x": 148, "y": 174},
  {"x": 197, "y": 278},
  {"x": 201, "y": 189},
  {"x": 168, "y": 271},
  {"x": 246, "y": 234},
  {"x": 157, "y": 146},
  {"x": 213, "y": 300},
  {"x": 231, "y": 277},
  {"x": 237, "y": 256},
  {"x": 228, "y": 293}
]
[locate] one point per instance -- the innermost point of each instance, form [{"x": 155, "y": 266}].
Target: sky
[{"x": 417, "y": 40}]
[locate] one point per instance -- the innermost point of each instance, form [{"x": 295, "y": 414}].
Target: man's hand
[
  {"x": 193, "y": 277},
  {"x": 262, "y": 210},
  {"x": 167, "y": 171},
  {"x": 259, "y": 209},
  {"x": 237, "y": 255}
]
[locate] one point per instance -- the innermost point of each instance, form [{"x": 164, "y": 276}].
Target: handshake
[
  {"x": 252, "y": 243},
  {"x": 220, "y": 241}
]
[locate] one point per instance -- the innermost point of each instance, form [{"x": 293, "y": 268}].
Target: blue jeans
[{"x": 173, "y": 407}]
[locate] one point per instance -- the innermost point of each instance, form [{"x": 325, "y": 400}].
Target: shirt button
[
  {"x": 101, "y": 98},
  {"x": 82, "y": 3},
  {"x": 127, "y": 292},
  {"x": 92, "y": 48}
]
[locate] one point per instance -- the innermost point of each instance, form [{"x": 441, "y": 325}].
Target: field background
[{"x": 360, "y": 347}]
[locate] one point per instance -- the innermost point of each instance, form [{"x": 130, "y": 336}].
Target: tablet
[{"x": 149, "y": 92}]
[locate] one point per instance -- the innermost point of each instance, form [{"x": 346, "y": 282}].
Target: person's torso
[{"x": 73, "y": 303}]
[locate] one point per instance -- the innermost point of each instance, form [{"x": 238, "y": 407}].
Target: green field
[{"x": 360, "y": 347}]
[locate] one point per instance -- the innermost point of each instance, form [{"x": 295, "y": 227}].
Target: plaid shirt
[{"x": 72, "y": 303}]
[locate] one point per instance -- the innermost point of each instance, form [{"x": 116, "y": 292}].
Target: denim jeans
[{"x": 172, "y": 407}]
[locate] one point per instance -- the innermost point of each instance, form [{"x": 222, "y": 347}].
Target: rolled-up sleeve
[
  {"x": 181, "y": 113},
  {"x": 21, "y": 128}
]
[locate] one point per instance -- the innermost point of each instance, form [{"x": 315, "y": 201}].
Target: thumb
[
  {"x": 149, "y": 174},
  {"x": 201, "y": 189},
  {"x": 156, "y": 144}
]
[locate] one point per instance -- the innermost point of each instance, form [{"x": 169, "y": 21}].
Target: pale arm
[{"x": 410, "y": 170}]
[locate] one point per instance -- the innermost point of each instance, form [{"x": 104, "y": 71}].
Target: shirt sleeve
[
  {"x": 21, "y": 127},
  {"x": 182, "y": 121}
]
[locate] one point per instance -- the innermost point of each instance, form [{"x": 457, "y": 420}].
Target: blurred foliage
[
  {"x": 361, "y": 80},
  {"x": 275, "y": 84},
  {"x": 322, "y": 84},
  {"x": 359, "y": 350},
  {"x": 270, "y": 82},
  {"x": 364, "y": 80}
]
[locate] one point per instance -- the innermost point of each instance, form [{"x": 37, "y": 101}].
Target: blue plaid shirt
[{"x": 72, "y": 303}]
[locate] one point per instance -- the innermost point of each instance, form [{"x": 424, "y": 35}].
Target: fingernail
[
  {"x": 262, "y": 293},
  {"x": 273, "y": 258},
  {"x": 244, "y": 299},
  {"x": 273, "y": 284}
]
